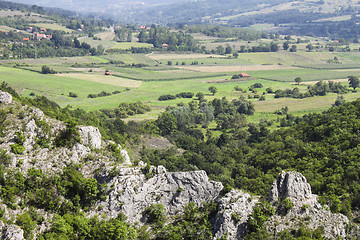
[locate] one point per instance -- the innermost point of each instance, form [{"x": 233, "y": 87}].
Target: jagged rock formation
[
  {"x": 233, "y": 213},
  {"x": 133, "y": 192},
  {"x": 290, "y": 185},
  {"x": 307, "y": 211},
  {"x": 90, "y": 136},
  {"x": 5, "y": 98}
]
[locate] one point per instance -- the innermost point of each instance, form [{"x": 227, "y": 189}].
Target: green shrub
[
  {"x": 4, "y": 158},
  {"x": 26, "y": 223},
  {"x": 46, "y": 70},
  {"x": 73, "y": 95},
  {"x": 166, "y": 97},
  {"x": 156, "y": 215},
  {"x": 17, "y": 149}
]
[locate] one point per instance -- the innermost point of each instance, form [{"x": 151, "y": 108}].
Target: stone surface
[
  {"x": 233, "y": 212},
  {"x": 90, "y": 136},
  {"x": 126, "y": 156},
  {"x": 5, "y": 98},
  {"x": 133, "y": 193},
  {"x": 292, "y": 185},
  {"x": 11, "y": 232},
  {"x": 307, "y": 211}
]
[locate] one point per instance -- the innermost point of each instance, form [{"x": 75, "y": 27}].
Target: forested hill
[
  {"x": 325, "y": 18},
  {"x": 324, "y": 147}
]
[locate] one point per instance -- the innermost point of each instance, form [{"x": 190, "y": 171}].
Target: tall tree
[
  {"x": 298, "y": 80},
  {"x": 213, "y": 89},
  {"x": 354, "y": 81},
  {"x": 286, "y": 45}
]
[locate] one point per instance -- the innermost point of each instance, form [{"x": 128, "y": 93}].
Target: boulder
[
  {"x": 90, "y": 136},
  {"x": 5, "y": 98}
]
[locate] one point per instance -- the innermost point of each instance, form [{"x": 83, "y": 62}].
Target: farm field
[
  {"x": 54, "y": 26},
  {"x": 163, "y": 73}
]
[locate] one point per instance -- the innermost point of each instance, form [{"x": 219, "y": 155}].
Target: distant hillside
[
  {"x": 96, "y": 6},
  {"x": 329, "y": 18}
]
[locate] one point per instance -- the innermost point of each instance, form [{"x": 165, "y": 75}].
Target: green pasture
[
  {"x": 335, "y": 19},
  {"x": 206, "y": 61},
  {"x": 95, "y": 43},
  {"x": 352, "y": 56},
  {"x": 159, "y": 79},
  {"x": 52, "y": 86},
  {"x": 151, "y": 75},
  {"x": 54, "y": 26},
  {"x": 65, "y": 61},
  {"x": 129, "y": 45},
  {"x": 261, "y": 27},
  {"x": 306, "y": 74},
  {"x": 130, "y": 58}
]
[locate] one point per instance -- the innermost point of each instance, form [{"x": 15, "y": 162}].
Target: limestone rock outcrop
[
  {"x": 133, "y": 192},
  {"x": 90, "y": 136},
  {"x": 307, "y": 211},
  {"x": 5, "y": 98},
  {"x": 233, "y": 213},
  {"x": 292, "y": 185},
  {"x": 11, "y": 232}
]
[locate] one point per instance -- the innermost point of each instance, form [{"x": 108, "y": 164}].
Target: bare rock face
[
  {"x": 307, "y": 211},
  {"x": 126, "y": 156},
  {"x": 90, "y": 136},
  {"x": 233, "y": 212},
  {"x": 11, "y": 232},
  {"x": 292, "y": 185},
  {"x": 5, "y": 98},
  {"x": 133, "y": 192}
]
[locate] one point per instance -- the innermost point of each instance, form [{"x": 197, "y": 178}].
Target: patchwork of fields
[{"x": 162, "y": 74}]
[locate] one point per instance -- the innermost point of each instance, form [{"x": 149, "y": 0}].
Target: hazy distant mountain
[
  {"x": 98, "y": 6},
  {"x": 229, "y": 12}
]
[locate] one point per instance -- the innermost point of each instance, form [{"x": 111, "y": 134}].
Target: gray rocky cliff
[
  {"x": 5, "y": 98},
  {"x": 90, "y": 136},
  {"x": 233, "y": 213},
  {"x": 132, "y": 192},
  {"x": 307, "y": 211}
]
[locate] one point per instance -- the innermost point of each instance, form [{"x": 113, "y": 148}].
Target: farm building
[{"x": 243, "y": 75}]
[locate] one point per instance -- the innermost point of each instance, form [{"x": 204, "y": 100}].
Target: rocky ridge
[
  {"x": 306, "y": 209},
  {"x": 133, "y": 188}
]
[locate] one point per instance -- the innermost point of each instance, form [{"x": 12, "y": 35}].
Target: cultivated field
[
  {"x": 54, "y": 26},
  {"x": 109, "y": 80},
  {"x": 238, "y": 68},
  {"x": 145, "y": 77}
]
